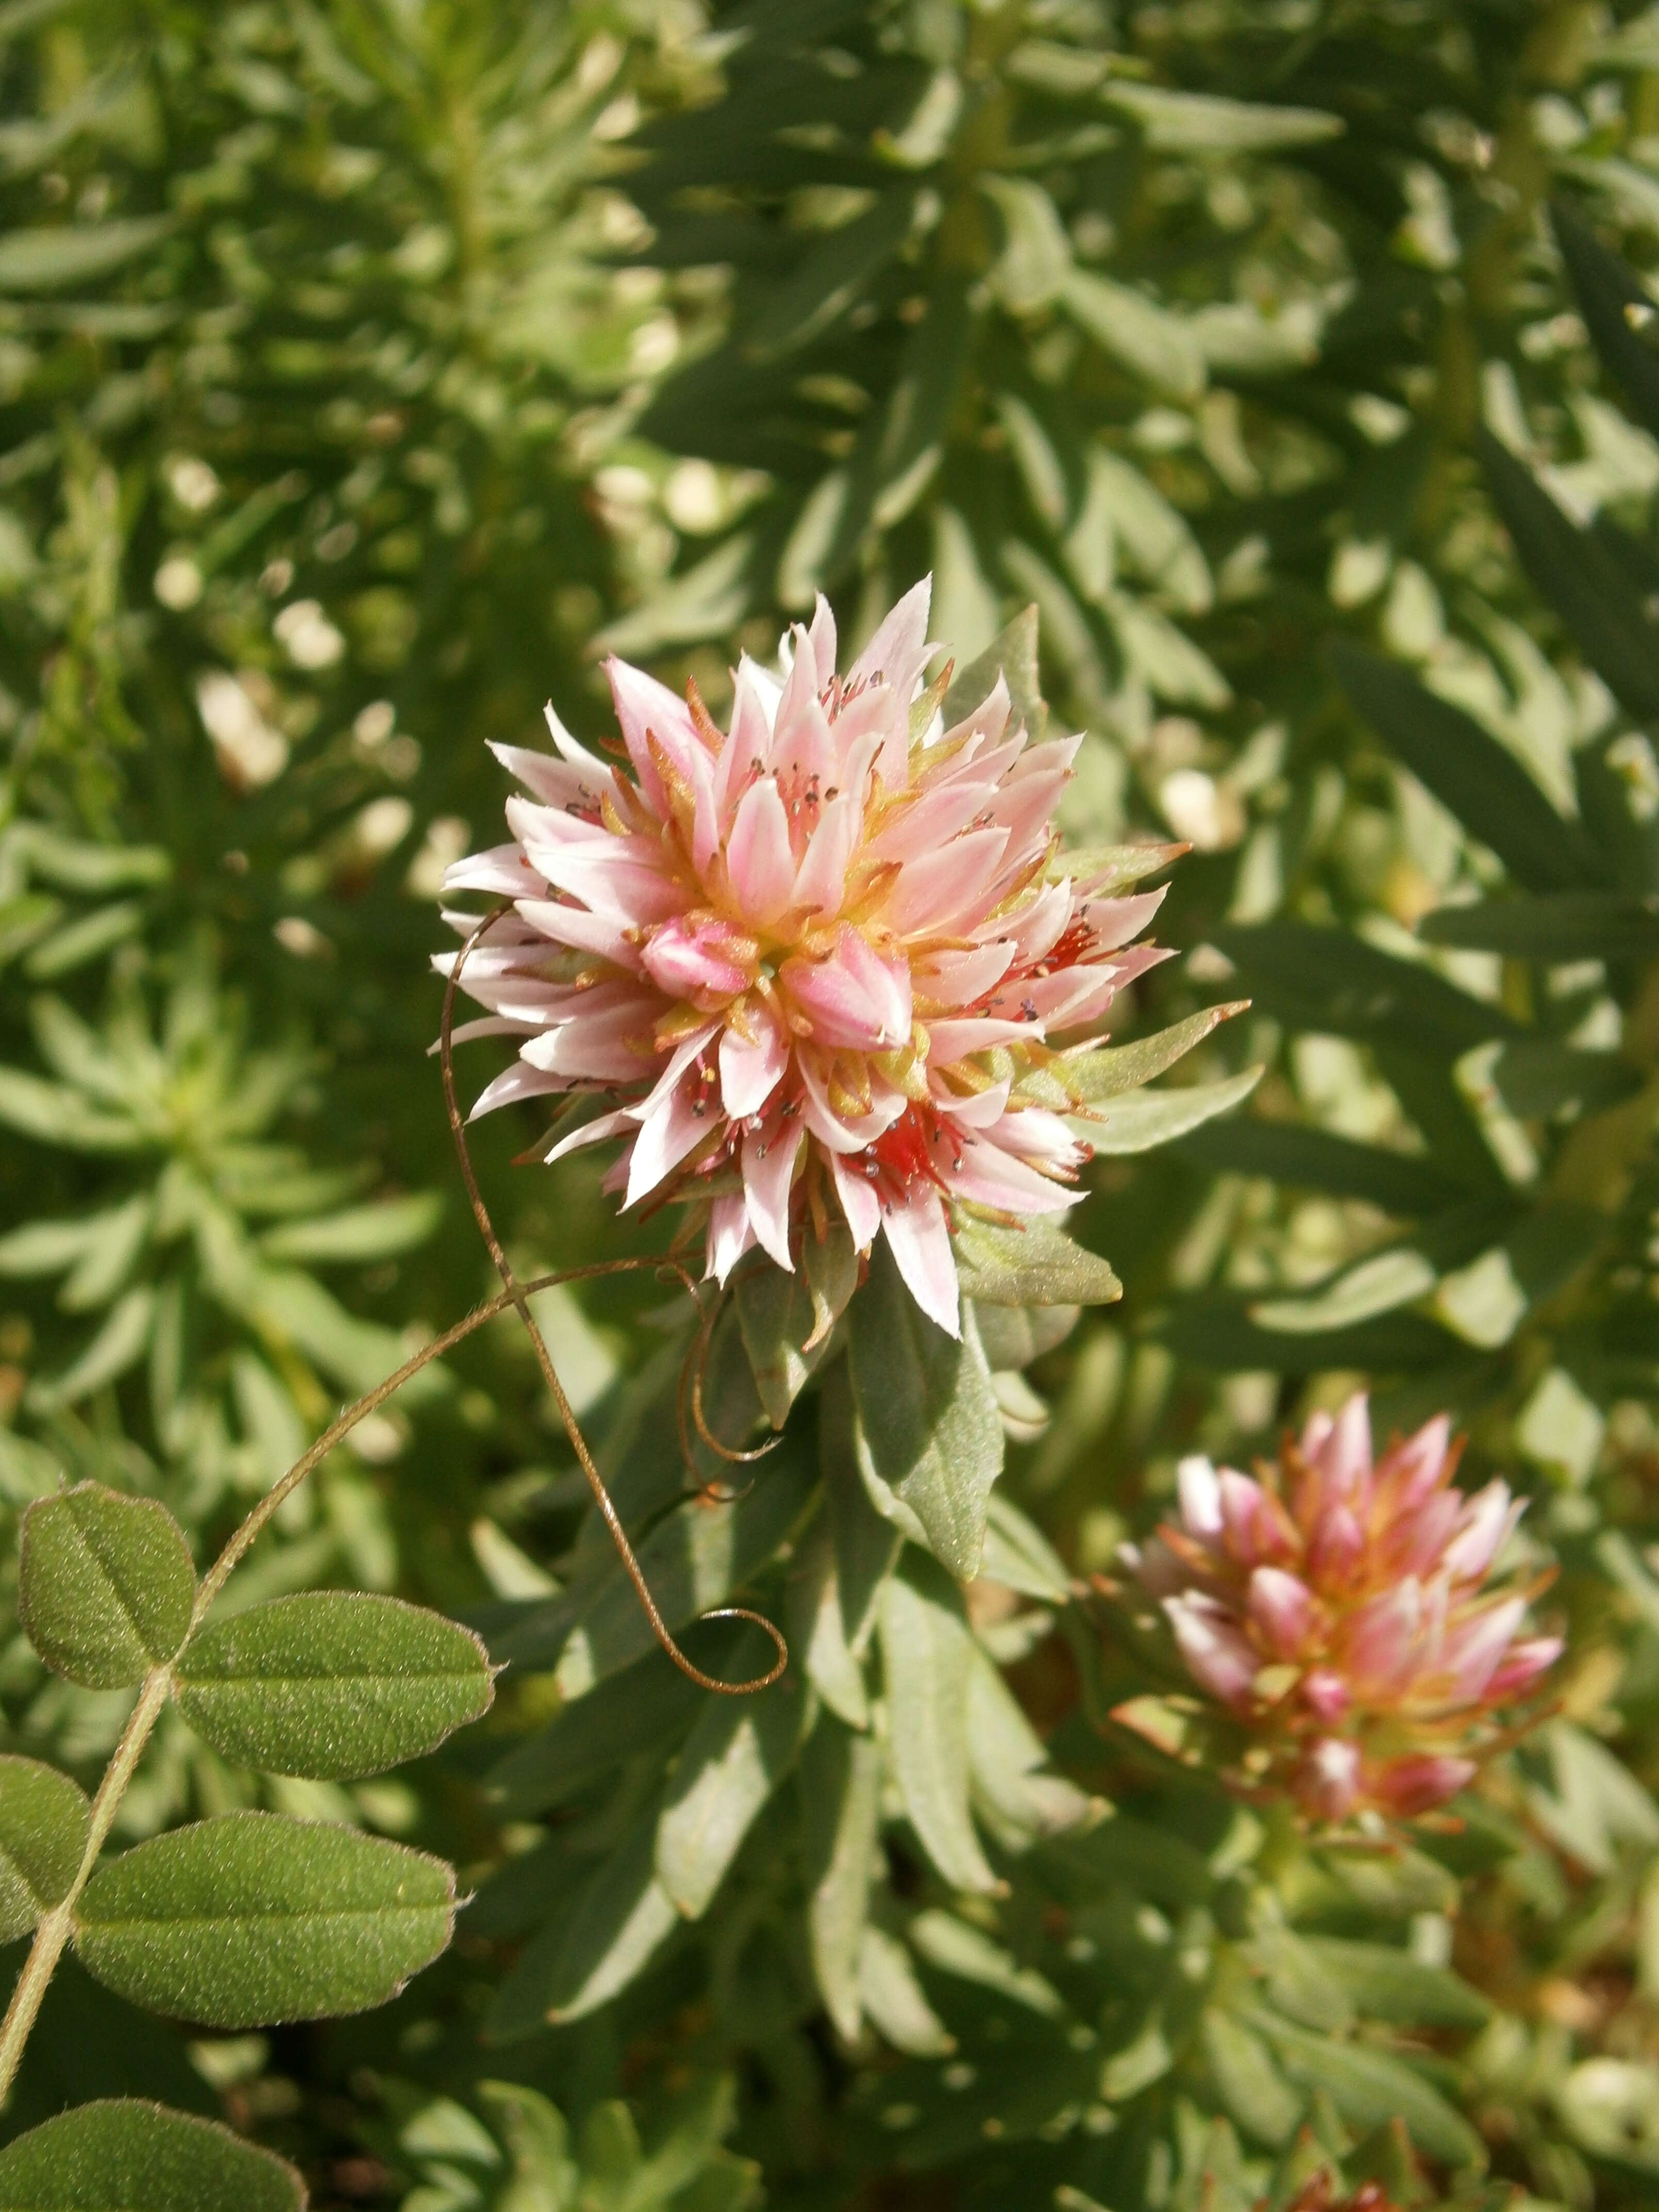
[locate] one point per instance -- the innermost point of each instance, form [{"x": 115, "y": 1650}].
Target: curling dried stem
[{"x": 602, "y": 1497}]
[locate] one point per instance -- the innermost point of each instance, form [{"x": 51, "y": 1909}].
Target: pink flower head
[
  {"x": 1338, "y": 1605},
  {"x": 806, "y": 962}
]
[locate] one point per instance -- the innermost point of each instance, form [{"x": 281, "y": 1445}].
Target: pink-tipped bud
[
  {"x": 1218, "y": 1653},
  {"x": 1327, "y": 1783},
  {"x": 1411, "y": 1786},
  {"x": 1340, "y": 1611},
  {"x": 1282, "y": 1611}
]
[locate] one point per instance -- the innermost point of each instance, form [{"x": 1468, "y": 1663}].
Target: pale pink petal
[
  {"x": 584, "y": 930},
  {"x": 1283, "y": 1609},
  {"x": 987, "y": 720},
  {"x": 521, "y": 1080},
  {"x": 1199, "y": 1495},
  {"x": 758, "y": 858},
  {"x": 853, "y": 1001},
  {"x": 672, "y": 1129},
  {"x": 597, "y": 1132},
  {"x": 646, "y": 710},
  {"x": 821, "y": 880},
  {"x": 859, "y": 1201},
  {"x": 1326, "y": 1695},
  {"x": 752, "y": 1067},
  {"x": 503, "y": 872},
  {"x": 893, "y": 655},
  {"x": 730, "y": 1234},
  {"x": 1473, "y": 1649},
  {"x": 1220, "y": 1656},
  {"x": 768, "y": 1165},
  {"x": 1379, "y": 1639},
  {"x": 698, "y": 960},
  {"x": 1419, "y": 1464},
  {"x": 919, "y": 1239},
  {"x": 823, "y": 636},
  {"x": 948, "y": 885},
  {"x": 1517, "y": 1673},
  {"x": 1488, "y": 1518},
  {"x": 950, "y": 980}
]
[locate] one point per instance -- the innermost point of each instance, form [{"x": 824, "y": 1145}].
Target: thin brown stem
[{"x": 602, "y": 1497}]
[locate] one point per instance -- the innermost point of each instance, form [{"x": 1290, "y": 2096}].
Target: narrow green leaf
[
  {"x": 105, "y": 1584},
  {"x": 1250, "y": 2086},
  {"x": 818, "y": 1634},
  {"x": 1141, "y": 1120},
  {"x": 893, "y": 1997},
  {"x": 1020, "y": 1556},
  {"x": 1327, "y": 979},
  {"x": 929, "y": 1436},
  {"x": 927, "y": 1650},
  {"x": 43, "y": 1822},
  {"x": 1387, "y": 1983},
  {"x": 1368, "y": 2087},
  {"x": 1107, "y": 1070},
  {"x": 253, "y": 1917},
  {"x": 1017, "y": 1798},
  {"x": 1147, "y": 339},
  {"x": 955, "y": 1947},
  {"x": 867, "y": 1542},
  {"x": 830, "y": 277},
  {"x": 121, "y": 2155},
  {"x": 333, "y": 1684},
  {"x": 48, "y": 260},
  {"x": 1402, "y": 1183},
  {"x": 1468, "y": 771},
  {"x": 1036, "y": 1264},
  {"x": 1607, "y": 288},
  {"x": 630, "y": 1715},
  {"x": 619, "y": 1919},
  {"x": 1199, "y": 122},
  {"x": 360, "y": 1233},
  {"x": 840, "y": 1801},
  {"x": 736, "y": 1755},
  {"x": 777, "y": 1315},
  {"x": 1594, "y": 598},
  {"x": 1012, "y": 654},
  {"x": 1542, "y": 1076},
  {"x": 116, "y": 1345},
  {"x": 1568, "y": 926}
]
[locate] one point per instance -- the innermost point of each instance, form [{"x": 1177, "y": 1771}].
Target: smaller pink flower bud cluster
[{"x": 1339, "y": 1608}]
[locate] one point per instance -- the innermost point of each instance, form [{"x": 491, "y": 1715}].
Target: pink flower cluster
[
  {"x": 1340, "y": 1606},
  {"x": 804, "y": 963}
]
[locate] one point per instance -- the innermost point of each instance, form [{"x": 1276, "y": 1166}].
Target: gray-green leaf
[
  {"x": 333, "y": 1684},
  {"x": 927, "y": 1655},
  {"x": 253, "y": 1917},
  {"x": 929, "y": 1436},
  {"x": 105, "y": 1584},
  {"x": 122, "y": 2155}
]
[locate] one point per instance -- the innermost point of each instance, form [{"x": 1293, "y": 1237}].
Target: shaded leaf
[
  {"x": 1034, "y": 1264},
  {"x": 1568, "y": 926},
  {"x": 841, "y": 1773},
  {"x": 1468, "y": 771},
  {"x": 122, "y": 2155},
  {"x": 1368, "y": 2087},
  {"x": 736, "y": 1753}
]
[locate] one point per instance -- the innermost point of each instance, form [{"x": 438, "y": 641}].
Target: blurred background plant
[{"x": 368, "y": 368}]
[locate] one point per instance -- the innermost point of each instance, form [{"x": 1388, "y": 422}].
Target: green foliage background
[{"x": 367, "y": 368}]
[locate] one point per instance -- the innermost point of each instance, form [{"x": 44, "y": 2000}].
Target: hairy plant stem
[{"x": 54, "y": 1929}]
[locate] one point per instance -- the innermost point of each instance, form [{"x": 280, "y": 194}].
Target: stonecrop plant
[
  {"x": 626, "y": 1612},
  {"x": 1340, "y": 1606},
  {"x": 819, "y": 956}
]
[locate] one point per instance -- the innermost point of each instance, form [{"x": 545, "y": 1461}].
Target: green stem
[{"x": 54, "y": 1930}]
